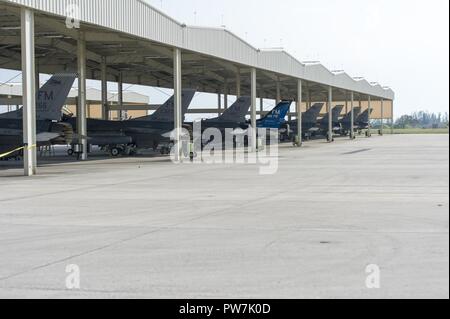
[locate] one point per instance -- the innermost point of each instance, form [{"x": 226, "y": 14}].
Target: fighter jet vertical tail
[
  {"x": 313, "y": 113},
  {"x": 337, "y": 110},
  {"x": 364, "y": 117},
  {"x": 356, "y": 112},
  {"x": 165, "y": 113},
  {"x": 52, "y": 96},
  {"x": 50, "y": 99},
  {"x": 237, "y": 111},
  {"x": 276, "y": 117},
  {"x": 347, "y": 118}
]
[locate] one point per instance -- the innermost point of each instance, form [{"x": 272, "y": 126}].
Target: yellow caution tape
[{"x": 17, "y": 150}]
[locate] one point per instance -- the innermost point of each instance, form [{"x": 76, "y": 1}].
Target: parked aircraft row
[
  {"x": 313, "y": 125},
  {"x": 154, "y": 131}
]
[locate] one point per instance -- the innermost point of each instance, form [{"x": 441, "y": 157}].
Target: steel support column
[
  {"x": 81, "y": 105},
  {"x": 37, "y": 74},
  {"x": 225, "y": 95},
  {"x": 299, "y": 113},
  {"x": 253, "y": 110},
  {"x": 382, "y": 118},
  {"x": 308, "y": 97},
  {"x": 104, "y": 88},
  {"x": 278, "y": 92},
  {"x": 352, "y": 117},
  {"x": 177, "y": 78},
  {"x": 219, "y": 104},
  {"x": 120, "y": 96},
  {"x": 29, "y": 92},
  {"x": 392, "y": 118},
  {"x": 238, "y": 82},
  {"x": 330, "y": 114},
  {"x": 369, "y": 127}
]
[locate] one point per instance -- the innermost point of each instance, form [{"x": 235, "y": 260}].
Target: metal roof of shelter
[{"x": 137, "y": 41}]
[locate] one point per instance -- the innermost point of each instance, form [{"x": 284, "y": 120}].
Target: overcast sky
[
  {"x": 399, "y": 43},
  {"x": 403, "y": 44}
]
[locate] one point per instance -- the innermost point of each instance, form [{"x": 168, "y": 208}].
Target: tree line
[{"x": 423, "y": 119}]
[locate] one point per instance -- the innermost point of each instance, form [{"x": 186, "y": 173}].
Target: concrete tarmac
[{"x": 147, "y": 228}]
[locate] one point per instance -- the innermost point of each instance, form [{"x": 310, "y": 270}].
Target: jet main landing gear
[{"x": 114, "y": 151}]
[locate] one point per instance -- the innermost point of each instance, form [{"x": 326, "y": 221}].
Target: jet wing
[{"x": 46, "y": 137}]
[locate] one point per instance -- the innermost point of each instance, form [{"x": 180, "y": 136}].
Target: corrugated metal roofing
[{"x": 136, "y": 18}]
